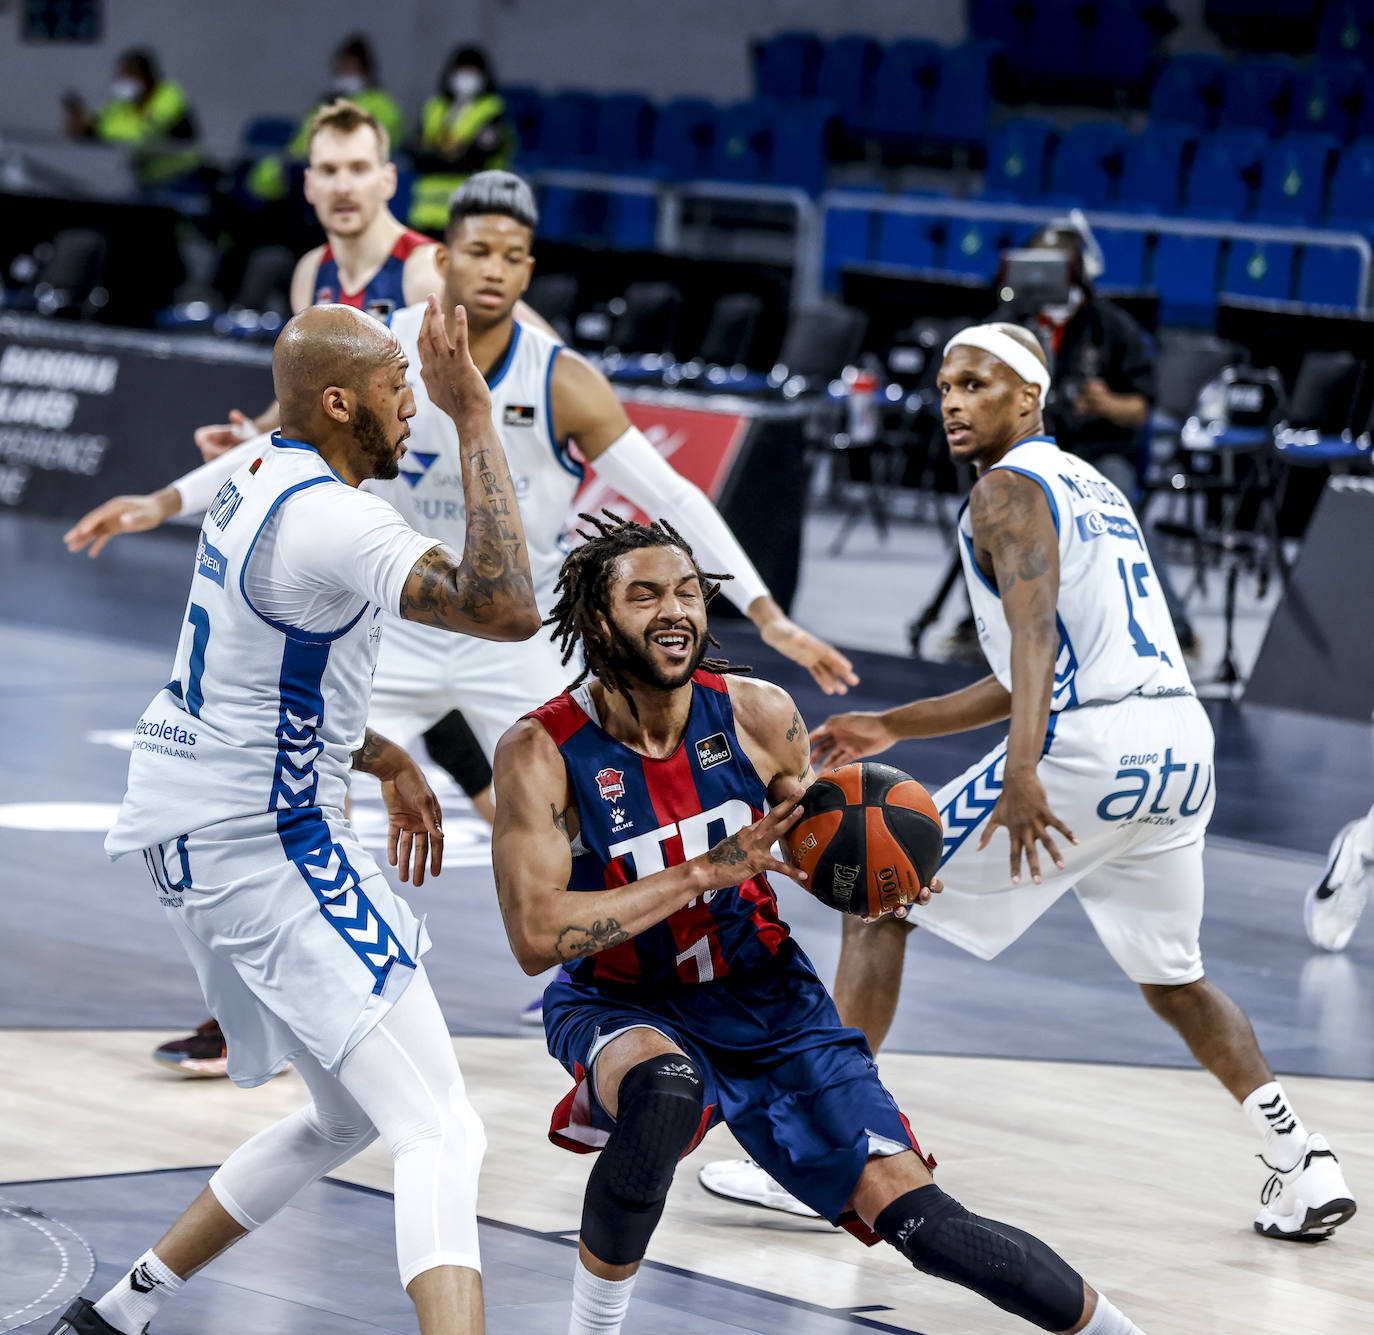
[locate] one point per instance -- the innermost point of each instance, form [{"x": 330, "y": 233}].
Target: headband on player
[{"x": 1006, "y": 349}]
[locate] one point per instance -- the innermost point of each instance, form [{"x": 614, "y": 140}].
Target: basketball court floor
[{"x": 1050, "y": 1095}]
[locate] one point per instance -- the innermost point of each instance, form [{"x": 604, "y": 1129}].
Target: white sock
[
  {"x": 1362, "y": 836},
  {"x": 1272, "y": 1115},
  {"x": 598, "y": 1305},
  {"x": 1107, "y": 1320},
  {"x": 135, "y": 1300}
]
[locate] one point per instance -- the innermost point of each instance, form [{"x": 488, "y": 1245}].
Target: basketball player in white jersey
[
  {"x": 236, "y": 787},
  {"x": 1107, "y": 765}
]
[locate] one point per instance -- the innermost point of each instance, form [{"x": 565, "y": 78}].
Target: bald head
[{"x": 324, "y": 347}]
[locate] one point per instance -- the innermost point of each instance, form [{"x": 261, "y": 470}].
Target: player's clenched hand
[
  {"x": 123, "y": 514},
  {"x": 1024, "y": 811},
  {"x": 749, "y": 852},
  {"x": 452, "y": 380},
  {"x": 834, "y": 673},
  {"x": 212, "y": 441},
  {"x": 845, "y": 737},
  {"x": 415, "y": 834}
]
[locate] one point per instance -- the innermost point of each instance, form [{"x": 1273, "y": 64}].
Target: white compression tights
[{"x": 402, "y": 1081}]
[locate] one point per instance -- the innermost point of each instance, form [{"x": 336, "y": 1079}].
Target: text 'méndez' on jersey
[{"x": 638, "y": 816}]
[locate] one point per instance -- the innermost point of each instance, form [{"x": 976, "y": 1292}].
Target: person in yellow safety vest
[
  {"x": 463, "y": 129},
  {"x": 147, "y": 113},
  {"x": 354, "y": 76}
]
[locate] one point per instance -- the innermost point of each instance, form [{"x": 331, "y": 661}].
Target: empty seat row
[
  {"x": 1188, "y": 272},
  {"x": 1300, "y": 180}
]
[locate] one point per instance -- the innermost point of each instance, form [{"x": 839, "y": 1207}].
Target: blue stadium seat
[
  {"x": 1346, "y": 31},
  {"x": 848, "y": 71},
  {"x": 683, "y": 138},
  {"x": 1123, "y": 257},
  {"x": 1329, "y": 98},
  {"x": 631, "y": 222},
  {"x": 1056, "y": 51},
  {"x": 742, "y": 147},
  {"x": 563, "y": 213},
  {"x": 1352, "y": 188},
  {"x": 1006, "y": 21},
  {"x": 1261, "y": 270},
  {"x": 265, "y": 134},
  {"x": 904, "y": 89},
  {"x": 785, "y": 65},
  {"x": 1186, "y": 279},
  {"x": 1121, "y": 43},
  {"x": 974, "y": 246},
  {"x": 959, "y": 113},
  {"x": 1016, "y": 159},
  {"x": 799, "y": 139},
  {"x": 1296, "y": 169},
  {"x": 622, "y": 133},
  {"x": 1188, "y": 92},
  {"x": 566, "y": 130},
  {"x": 1152, "y": 168},
  {"x": 905, "y": 241},
  {"x": 848, "y": 240},
  {"x": 1329, "y": 276},
  {"x": 1257, "y": 93},
  {"x": 1087, "y": 165},
  {"x": 1225, "y": 172},
  {"x": 525, "y": 106}
]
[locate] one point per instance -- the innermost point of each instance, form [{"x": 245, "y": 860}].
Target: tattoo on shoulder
[
  {"x": 577, "y": 940},
  {"x": 797, "y": 728},
  {"x": 1003, "y": 512}
]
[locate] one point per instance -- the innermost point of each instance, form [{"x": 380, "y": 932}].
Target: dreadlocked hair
[{"x": 583, "y": 591}]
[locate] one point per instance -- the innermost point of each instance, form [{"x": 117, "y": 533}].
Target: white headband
[{"x": 1006, "y": 349}]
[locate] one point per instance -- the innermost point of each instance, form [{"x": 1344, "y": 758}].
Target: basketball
[{"x": 869, "y": 836}]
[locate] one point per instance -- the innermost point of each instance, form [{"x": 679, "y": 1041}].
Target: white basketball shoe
[
  {"x": 1309, "y": 1201},
  {"x": 1335, "y": 903},
  {"x": 743, "y": 1180}
]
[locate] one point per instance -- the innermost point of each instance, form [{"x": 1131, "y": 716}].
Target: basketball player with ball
[
  {"x": 1104, "y": 783},
  {"x": 636, "y": 819}
]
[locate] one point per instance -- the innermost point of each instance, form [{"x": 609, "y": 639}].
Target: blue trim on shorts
[{"x": 971, "y": 805}]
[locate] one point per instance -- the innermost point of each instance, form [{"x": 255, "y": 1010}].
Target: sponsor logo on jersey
[
  {"x": 324, "y": 295},
  {"x": 619, "y": 820},
  {"x": 1095, "y": 524},
  {"x": 415, "y": 464},
  {"x": 163, "y": 731},
  {"x": 518, "y": 414},
  {"x": 713, "y": 750},
  {"x": 210, "y": 562},
  {"x": 611, "y": 784}
]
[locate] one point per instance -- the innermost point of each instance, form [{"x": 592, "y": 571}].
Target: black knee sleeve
[
  {"x": 453, "y": 746},
  {"x": 1006, "y": 1266},
  {"x": 659, "y": 1112}
]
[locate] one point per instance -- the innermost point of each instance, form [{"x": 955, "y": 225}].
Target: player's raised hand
[
  {"x": 834, "y": 673},
  {"x": 415, "y": 833},
  {"x": 1025, "y": 813},
  {"x": 845, "y": 737},
  {"x": 212, "y": 441},
  {"x": 122, "y": 514},
  {"x": 451, "y": 378},
  {"x": 749, "y": 852}
]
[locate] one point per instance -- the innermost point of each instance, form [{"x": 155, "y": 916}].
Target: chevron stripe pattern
[
  {"x": 971, "y": 805},
  {"x": 1065, "y": 672},
  {"x": 347, "y": 909},
  {"x": 294, "y": 780}
]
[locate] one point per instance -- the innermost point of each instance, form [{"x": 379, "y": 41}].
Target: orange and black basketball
[{"x": 869, "y": 838}]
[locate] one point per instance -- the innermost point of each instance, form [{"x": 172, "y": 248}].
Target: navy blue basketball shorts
[{"x": 799, "y": 1090}]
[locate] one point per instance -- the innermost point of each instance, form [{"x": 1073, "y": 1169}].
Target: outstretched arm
[
  {"x": 532, "y": 858},
  {"x": 1014, "y": 533},
  {"x": 585, "y": 408},
  {"x": 490, "y": 592}
]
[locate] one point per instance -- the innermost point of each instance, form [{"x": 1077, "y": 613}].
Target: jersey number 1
[
  {"x": 200, "y": 623},
  {"x": 1143, "y": 645}
]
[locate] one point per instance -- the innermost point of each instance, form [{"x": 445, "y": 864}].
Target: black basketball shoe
[{"x": 81, "y": 1318}]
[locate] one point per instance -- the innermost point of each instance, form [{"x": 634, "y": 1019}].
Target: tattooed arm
[
  {"x": 490, "y": 592},
  {"x": 415, "y": 834},
  {"x": 1016, "y": 546},
  {"x": 532, "y": 858}
]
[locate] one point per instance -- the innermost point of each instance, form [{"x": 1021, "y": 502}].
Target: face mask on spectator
[
  {"x": 125, "y": 90},
  {"x": 344, "y": 84},
  {"x": 465, "y": 84}
]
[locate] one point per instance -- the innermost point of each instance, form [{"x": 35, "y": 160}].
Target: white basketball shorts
[
  {"x": 1134, "y": 781},
  {"x": 298, "y": 940},
  {"x": 423, "y": 673}
]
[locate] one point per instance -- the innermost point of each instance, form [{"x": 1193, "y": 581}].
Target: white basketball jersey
[
  {"x": 259, "y": 716},
  {"x": 429, "y": 491},
  {"x": 1116, "y": 638}
]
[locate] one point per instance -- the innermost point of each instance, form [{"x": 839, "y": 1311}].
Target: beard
[
  {"x": 375, "y": 446},
  {"x": 631, "y": 660}
]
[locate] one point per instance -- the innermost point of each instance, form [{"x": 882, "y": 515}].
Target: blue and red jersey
[
  {"x": 385, "y": 292},
  {"x": 639, "y": 816}
]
